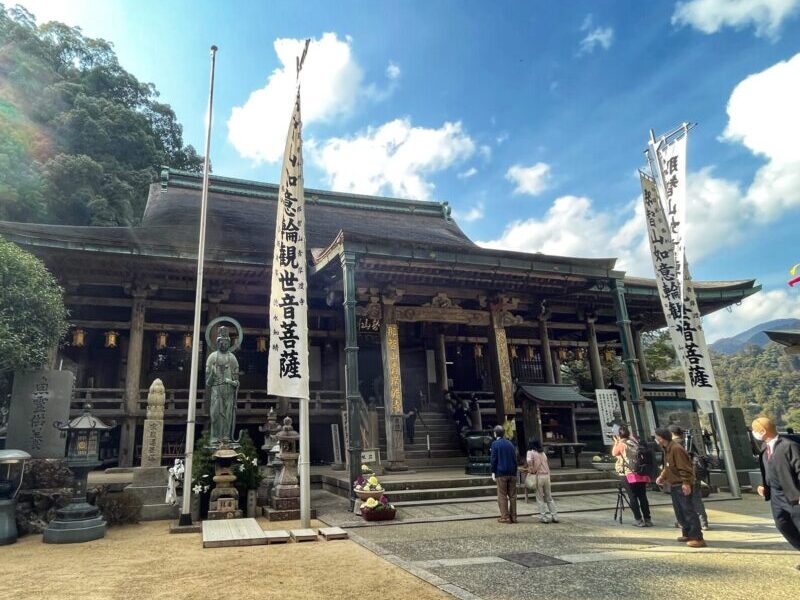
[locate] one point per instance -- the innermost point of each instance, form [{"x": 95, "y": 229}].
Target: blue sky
[{"x": 528, "y": 117}]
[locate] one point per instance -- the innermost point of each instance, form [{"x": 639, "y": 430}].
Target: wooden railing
[{"x": 110, "y": 402}]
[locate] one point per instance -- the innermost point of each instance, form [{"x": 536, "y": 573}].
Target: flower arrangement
[
  {"x": 203, "y": 466},
  {"x": 248, "y": 475},
  {"x": 378, "y": 510},
  {"x": 606, "y": 458},
  {"x": 367, "y": 485}
]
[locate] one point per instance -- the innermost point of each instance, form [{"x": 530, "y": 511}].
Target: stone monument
[
  {"x": 150, "y": 480},
  {"x": 285, "y": 500}
]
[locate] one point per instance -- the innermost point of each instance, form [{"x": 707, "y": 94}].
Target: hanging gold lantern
[
  {"x": 581, "y": 353},
  {"x": 478, "y": 351},
  {"x": 609, "y": 354},
  {"x": 161, "y": 340},
  {"x": 78, "y": 337},
  {"x": 261, "y": 344},
  {"x": 562, "y": 354},
  {"x": 530, "y": 352},
  {"x": 112, "y": 338},
  {"x": 187, "y": 340},
  {"x": 513, "y": 349}
]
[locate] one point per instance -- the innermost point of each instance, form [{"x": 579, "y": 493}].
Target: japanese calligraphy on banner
[
  {"x": 288, "y": 309},
  {"x": 672, "y": 165},
  {"x": 681, "y": 310},
  {"x": 610, "y": 414}
]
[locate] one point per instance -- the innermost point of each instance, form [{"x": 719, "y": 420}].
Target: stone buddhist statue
[{"x": 222, "y": 383}]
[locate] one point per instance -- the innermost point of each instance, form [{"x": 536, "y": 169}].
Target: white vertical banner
[
  {"x": 681, "y": 310},
  {"x": 670, "y": 159},
  {"x": 288, "y": 309}
]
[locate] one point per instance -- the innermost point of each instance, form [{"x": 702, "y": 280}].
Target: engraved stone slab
[
  {"x": 277, "y": 536},
  {"x": 232, "y": 532},
  {"x": 333, "y": 533},
  {"x": 303, "y": 535},
  {"x": 152, "y": 440}
]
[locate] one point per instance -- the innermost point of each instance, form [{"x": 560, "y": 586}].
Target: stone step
[
  {"x": 484, "y": 480},
  {"x": 435, "y": 462},
  {"x": 456, "y": 494},
  {"x": 520, "y": 497},
  {"x": 451, "y": 453}
]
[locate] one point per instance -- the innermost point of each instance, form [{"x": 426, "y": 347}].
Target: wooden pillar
[
  {"x": 392, "y": 390},
  {"x": 628, "y": 359},
  {"x": 352, "y": 393},
  {"x": 500, "y": 367},
  {"x": 133, "y": 374},
  {"x": 637, "y": 346},
  {"x": 556, "y": 367},
  {"x": 441, "y": 360},
  {"x": 595, "y": 366},
  {"x": 547, "y": 355}
]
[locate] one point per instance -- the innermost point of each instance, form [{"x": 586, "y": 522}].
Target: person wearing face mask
[
  {"x": 780, "y": 471},
  {"x": 679, "y": 474}
]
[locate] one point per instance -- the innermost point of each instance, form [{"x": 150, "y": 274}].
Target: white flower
[
  {"x": 255, "y": 461},
  {"x": 241, "y": 467},
  {"x": 197, "y": 488}
]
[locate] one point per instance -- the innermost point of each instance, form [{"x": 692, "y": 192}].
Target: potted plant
[
  {"x": 202, "y": 476},
  {"x": 378, "y": 509},
  {"x": 366, "y": 488},
  {"x": 248, "y": 475}
]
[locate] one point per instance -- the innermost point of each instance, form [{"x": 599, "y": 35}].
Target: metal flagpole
[
  {"x": 305, "y": 456},
  {"x": 186, "y": 511}
]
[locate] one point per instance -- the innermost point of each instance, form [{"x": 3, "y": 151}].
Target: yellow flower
[
  {"x": 378, "y": 488},
  {"x": 371, "y": 503},
  {"x": 373, "y": 480}
]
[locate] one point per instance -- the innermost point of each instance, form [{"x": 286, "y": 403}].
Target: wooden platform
[
  {"x": 277, "y": 536},
  {"x": 333, "y": 533},
  {"x": 232, "y": 532},
  {"x": 303, "y": 535}
]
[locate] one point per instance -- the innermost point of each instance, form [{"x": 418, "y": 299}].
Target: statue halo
[{"x": 232, "y": 321}]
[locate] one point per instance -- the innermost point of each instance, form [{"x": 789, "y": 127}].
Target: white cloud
[
  {"x": 531, "y": 180},
  {"x": 595, "y": 36},
  {"x": 331, "y": 81},
  {"x": 764, "y": 306},
  {"x": 395, "y": 158},
  {"x": 486, "y": 152},
  {"x": 392, "y": 71},
  {"x": 473, "y": 214},
  {"x": 471, "y": 172},
  {"x": 502, "y": 138},
  {"x": 573, "y": 227},
  {"x": 709, "y": 16}
]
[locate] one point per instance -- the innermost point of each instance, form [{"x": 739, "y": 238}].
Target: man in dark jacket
[
  {"x": 679, "y": 474},
  {"x": 780, "y": 472},
  {"x": 504, "y": 473}
]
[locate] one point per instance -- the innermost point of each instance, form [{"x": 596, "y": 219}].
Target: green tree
[
  {"x": 32, "y": 314},
  {"x": 80, "y": 137},
  {"x": 659, "y": 353}
]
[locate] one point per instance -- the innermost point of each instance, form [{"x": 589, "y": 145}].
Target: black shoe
[{"x": 648, "y": 523}]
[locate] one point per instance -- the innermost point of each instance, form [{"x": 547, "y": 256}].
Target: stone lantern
[
  {"x": 12, "y": 466},
  {"x": 79, "y": 521},
  {"x": 285, "y": 499},
  {"x": 271, "y": 447}
]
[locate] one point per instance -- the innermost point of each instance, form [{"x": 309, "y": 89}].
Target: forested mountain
[
  {"x": 753, "y": 336},
  {"x": 80, "y": 137}
]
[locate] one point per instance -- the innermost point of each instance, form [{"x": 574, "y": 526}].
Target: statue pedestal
[
  {"x": 224, "y": 503},
  {"x": 150, "y": 485}
]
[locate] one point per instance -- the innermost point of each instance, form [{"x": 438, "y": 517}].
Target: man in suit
[{"x": 780, "y": 471}]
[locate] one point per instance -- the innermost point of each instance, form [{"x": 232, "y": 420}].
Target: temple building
[{"x": 403, "y": 308}]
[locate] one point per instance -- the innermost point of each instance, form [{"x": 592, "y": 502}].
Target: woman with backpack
[{"x": 626, "y": 449}]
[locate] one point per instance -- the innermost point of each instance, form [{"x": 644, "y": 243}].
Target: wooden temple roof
[{"x": 397, "y": 241}]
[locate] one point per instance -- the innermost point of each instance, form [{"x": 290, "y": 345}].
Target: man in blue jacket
[{"x": 504, "y": 473}]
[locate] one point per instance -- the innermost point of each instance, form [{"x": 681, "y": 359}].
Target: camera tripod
[{"x": 622, "y": 501}]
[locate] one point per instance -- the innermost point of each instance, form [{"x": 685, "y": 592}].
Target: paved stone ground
[{"x": 601, "y": 559}]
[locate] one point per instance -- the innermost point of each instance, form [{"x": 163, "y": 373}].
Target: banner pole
[{"x": 186, "y": 511}]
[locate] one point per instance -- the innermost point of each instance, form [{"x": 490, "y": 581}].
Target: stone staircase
[{"x": 445, "y": 449}]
